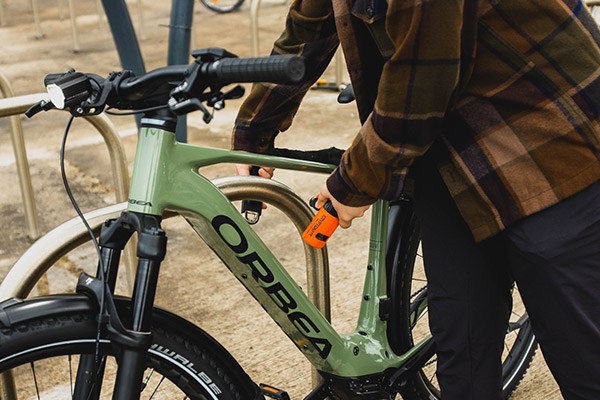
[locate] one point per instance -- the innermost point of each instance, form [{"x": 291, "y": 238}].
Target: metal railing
[
  {"x": 41, "y": 255},
  {"x": 31, "y": 219},
  {"x": 73, "y": 17},
  {"x": 255, "y": 43},
  {"x": 13, "y": 106}
]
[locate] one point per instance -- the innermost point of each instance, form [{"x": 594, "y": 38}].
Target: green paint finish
[
  {"x": 165, "y": 177},
  {"x": 160, "y": 160}
]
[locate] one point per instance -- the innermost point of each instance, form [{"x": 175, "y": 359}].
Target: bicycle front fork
[{"x": 130, "y": 334}]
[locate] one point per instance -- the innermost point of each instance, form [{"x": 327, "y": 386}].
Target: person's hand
[
  {"x": 345, "y": 213},
  {"x": 244, "y": 170}
]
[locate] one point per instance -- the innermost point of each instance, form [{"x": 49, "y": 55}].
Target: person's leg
[
  {"x": 555, "y": 259},
  {"x": 469, "y": 297}
]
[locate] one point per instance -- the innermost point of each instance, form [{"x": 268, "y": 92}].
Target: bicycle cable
[
  {"x": 88, "y": 228},
  {"x": 143, "y": 110}
]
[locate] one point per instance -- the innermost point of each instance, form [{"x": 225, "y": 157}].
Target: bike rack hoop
[
  {"x": 12, "y": 107},
  {"x": 18, "y": 105}
]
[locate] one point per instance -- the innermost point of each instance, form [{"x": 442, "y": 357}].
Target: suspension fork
[{"x": 133, "y": 340}]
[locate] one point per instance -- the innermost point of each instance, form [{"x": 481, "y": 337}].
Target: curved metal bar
[
  {"x": 74, "y": 31},
  {"x": 37, "y": 259},
  {"x": 2, "y": 14},
  {"x": 28, "y": 269},
  {"x": 42, "y": 254},
  {"x": 18, "y": 105},
  {"x": 22, "y": 165},
  {"x": 36, "y": 19},
  {"x": 300, "y": 214},
  {"x": 116, "y": 152},
  {"x": 254, "y": 7}
]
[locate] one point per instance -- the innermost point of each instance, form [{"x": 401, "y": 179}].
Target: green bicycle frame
[{"x": 166, "y": 176}]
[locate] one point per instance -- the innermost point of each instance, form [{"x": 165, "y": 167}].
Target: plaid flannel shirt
[{"x": 507, "y": 92}]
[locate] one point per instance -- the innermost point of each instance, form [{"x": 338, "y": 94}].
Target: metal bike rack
[
  {"x": 26, "y": 187},
  {"x": 41, "y": 255},
  {"x": 18, "y": 105},
  {"x": 22, "y": 277},
  {"x": 36, "y": 19},
  {"x": 73, "y": 17},
  {"x": 254, "y": 8},
  {"x": 38, "y": 27},
  {"x": 2, "y": 16},
  {"x": 12, "y": 107}
]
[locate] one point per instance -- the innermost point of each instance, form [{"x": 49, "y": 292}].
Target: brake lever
[
  {"x": 187, "y": 106},
  {"x": 217, "y": 98},
  {"x": 43, "y": 105},
  {"x": 235, "y": 93}
]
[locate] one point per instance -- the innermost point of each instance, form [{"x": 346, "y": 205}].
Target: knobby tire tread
[{"x": 70, "y": 326}]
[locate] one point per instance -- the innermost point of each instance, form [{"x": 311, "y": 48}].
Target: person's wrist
[
  {"x": 343, "y": 192},
  {"x": 251, "y": 141}
]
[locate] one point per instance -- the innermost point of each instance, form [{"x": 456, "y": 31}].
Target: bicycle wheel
[
  {"x": 43, "y": 353},
  {"x": 409, "y": 323},
  {"x": 222, "y": 6}
]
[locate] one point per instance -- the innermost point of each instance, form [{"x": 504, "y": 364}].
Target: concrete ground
[{"x": 194, "y": 283}]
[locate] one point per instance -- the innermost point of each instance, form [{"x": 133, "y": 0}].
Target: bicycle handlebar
[
  {"x": 275, "y": 69},
  {"x": 183, "y": 88}
]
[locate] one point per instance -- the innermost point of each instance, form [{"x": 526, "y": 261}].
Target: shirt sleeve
[
  {"x": 269, "y": 108},
  {"x": 416, "y": 89}
]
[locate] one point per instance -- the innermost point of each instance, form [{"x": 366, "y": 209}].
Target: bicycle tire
[
  {"x": 220, "y": 7},
  {"x": 404, "y": 237},
  {"x": 185, "y": 364}
]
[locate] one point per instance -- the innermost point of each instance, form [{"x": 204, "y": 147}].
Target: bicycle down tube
[{"x": 165, "y": 177}]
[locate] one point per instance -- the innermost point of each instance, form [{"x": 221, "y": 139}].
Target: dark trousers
[{"x": 554, "y": 257}]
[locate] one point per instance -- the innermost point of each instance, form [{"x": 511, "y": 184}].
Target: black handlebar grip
[{"x": 274, "y": 69}]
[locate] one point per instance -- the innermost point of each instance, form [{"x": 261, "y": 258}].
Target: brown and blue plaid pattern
[{"x": 507, "y": 93}]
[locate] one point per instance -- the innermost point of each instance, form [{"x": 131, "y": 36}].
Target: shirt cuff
[
  {"x": 343, "y": 191},
  {"x": 252, "y": 141}
]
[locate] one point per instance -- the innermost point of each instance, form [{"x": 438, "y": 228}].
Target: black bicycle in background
[{"x": 222, "y": 6}]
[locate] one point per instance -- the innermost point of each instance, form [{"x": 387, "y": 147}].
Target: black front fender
[{"x": 16, "y": 311}]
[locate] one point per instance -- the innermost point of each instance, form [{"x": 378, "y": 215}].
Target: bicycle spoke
[
  {"x": 37, "y": 390},
  {"x": 157, "y": 386},
  {"x": 513, "y": 326},
  {"x": 147, "y": 379},
  {"x": 71, "y": 375},
  {"x": 431, "y": 375}
]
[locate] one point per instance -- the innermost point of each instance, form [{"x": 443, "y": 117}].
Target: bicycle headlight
[
  {"x": 68, "y": 90},
  {"x": 57, "y": 97}
]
